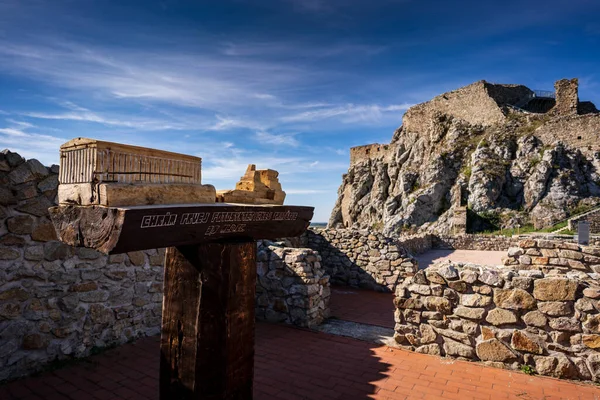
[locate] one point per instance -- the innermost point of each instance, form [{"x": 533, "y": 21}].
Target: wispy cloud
[
  {"x": 277, "y": 139},
  {"x": 347, "y": 113},
  {"x": 31, "y": 145}
]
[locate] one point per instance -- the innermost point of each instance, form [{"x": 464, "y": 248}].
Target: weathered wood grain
[
  {"x": 207, "y": 341},
  {"x": 113, "y": 230}
]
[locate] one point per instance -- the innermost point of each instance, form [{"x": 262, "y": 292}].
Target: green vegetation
[
  {"x": 466, "y": 171},
  {"x": 377, "y": 226},
  {"x": 527, "y": 369},
  {"x": 415, "y": 186}
]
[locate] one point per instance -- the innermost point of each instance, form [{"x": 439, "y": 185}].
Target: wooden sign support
[{"x": 207, "y": 340}]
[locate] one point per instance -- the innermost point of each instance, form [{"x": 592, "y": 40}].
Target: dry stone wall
[
  {"x": 291, "y": 286},
  {"x": 474, "y": 242},
  {"x": 58, "y": 302},
  {"x": 363, "y": 259},
  {"x": 505, "y": 317},
  {"x": 553, "y": 255},
  {"x": 593, "y": 218}
]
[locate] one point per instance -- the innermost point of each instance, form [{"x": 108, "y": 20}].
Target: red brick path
[
  {"x": 365, "y": 306},
  {"x": 298, "y": 364}
]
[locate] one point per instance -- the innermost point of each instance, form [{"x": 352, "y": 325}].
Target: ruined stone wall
[
  {"x": 363, "y": 259},
  {"x": 474, "y": 242},
  {"x": 292, "y": 286},
  {"x": 369, "y": 151},
  {"x": 508, "y": 94},
  {"x": 59, "y": 302},
  {"x": 553, "y": 255},
  {"x": 593, "y": 218},
  {"x": 567, "y": 97},
  {"x": 471, "y": 103},
  {"x": 504, "y": 317},
  {"x": 579, "y": 131}
]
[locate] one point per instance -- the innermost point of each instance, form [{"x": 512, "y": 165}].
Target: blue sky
[{"x": 285, "y": 84}]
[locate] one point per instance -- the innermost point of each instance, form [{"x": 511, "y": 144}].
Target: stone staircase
[{"x": 575, "y": 217}]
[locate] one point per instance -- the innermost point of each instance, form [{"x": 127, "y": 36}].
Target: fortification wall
[
  {"x": 368, "y": 152},
  {"x": 59, "y": 302},
  {"x": 471, "y": 103},
  {"x": 579, "y": 131}
]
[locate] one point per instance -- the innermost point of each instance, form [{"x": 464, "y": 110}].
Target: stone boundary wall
[
  {"x": 364, "y": 259},
  {"x": 553, "y": 255},
  {"x": 504, "y": 317},
  {"x": 593, "y": 218},
  {"x": 474, "y": 242},
  {"x": 59, "y": 302},
  {"x": 368, "y": 151},
  {"x": 291, "y": 287}
]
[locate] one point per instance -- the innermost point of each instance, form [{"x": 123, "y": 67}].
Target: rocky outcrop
[{"x": 470, "y": 148}]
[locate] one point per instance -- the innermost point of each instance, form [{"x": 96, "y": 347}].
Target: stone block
[
  {"x": 475, "y": 300},
  {"x": 565, "y": 324},
  {"x": 592, "y": 323},
  {"x": 44, "y": 232},
  {"x": 20, "y": 224},
  {"x": 491, "y": 277},
  {"x": 514, "y": 299},
  {"x": 554, "y": 289},
  {"x": 494, "y": 350},
  {"x": 457, "y": 349},
  {"x": 440, "y": 304},
  {"x": 591, "y": 341},
  {"x": 555, "y": 308},
  {"x": 469, "y": 313},
  {"x": 523, "y": 342},
  {"x": 499, "y": 316}
]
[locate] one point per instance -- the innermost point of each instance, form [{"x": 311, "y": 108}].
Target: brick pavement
[
  {"x": 364, "y": 306},
  {"x": 299, "y": 364}
]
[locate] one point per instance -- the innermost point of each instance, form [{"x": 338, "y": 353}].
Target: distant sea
[{"x": 318, "y": 224}]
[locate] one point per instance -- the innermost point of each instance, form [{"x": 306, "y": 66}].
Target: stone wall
[
  {"x": 567, "y": 97},
  {"x": 56, "y": 301},
  {"x": 472, "y": 103},
  {"x": 593, "y": 218},
  {"x": 505, "y": 317},
  {"x": 553, "y": 255},
  {"x": 578, "y": 131},
  {"x": 292, "y": 286},
  {"x": 363, "y": 259},
  {"x": 369, "y": 151},
  {"x": 474, "y": 242}
]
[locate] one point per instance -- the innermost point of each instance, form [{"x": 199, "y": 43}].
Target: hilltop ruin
[{"x": 506, "y": 152}]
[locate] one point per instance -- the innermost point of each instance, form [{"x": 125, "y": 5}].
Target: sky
[{"x": 289, "y": 85}]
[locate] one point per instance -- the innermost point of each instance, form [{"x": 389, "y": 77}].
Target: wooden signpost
[{"x": 207, "y": 339}]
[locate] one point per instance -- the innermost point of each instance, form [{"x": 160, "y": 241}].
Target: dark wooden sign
[{"x": 113, "y": 230}]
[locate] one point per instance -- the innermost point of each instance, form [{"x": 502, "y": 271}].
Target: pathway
[{"x": 299, "y": 364}]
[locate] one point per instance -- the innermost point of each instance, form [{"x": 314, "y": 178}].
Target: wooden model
[{"x": 114, "y": 174}]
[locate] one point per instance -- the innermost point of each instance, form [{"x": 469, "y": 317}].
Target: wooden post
[{"x": 207, "y": 341}]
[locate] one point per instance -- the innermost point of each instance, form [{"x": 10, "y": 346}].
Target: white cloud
[
  {"x": 304, "y": 191},
  {"x": 347, "y": 113},
  {"x": 277, "y": 140},
  {"x": 43, "y": 147}
]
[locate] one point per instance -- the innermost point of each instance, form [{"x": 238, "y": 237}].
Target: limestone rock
[
  {"x": 453, "y": 348},
  {"x": 592, "y": 323},
  {"x": 432, "y": 349},
  {"x": 555, "y": 308},
  {"x": 535, "y": 318},
  {"x": 470, "y": 313},
  {"x": 513, "y": 299},
  {"x": 494, "y": 350},
  {"x": 475, "y": 300},
  {"x": 522, "y": 342},
  {"x": 448, "y": 272},
  {"x": 591, "y": 341},
  {"x": 554, "y": 289},
  {"x": 498, "y": 316},
  {"x": 440, "y": 304}
]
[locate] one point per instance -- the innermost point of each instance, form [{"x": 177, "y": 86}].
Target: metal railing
[{"x": 546, "y": 94}]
